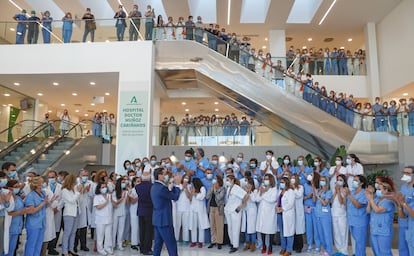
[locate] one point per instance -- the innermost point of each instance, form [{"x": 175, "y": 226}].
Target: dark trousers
[
  {"x": 81, "y": 236},
  {"x": 298, "y": 243},
  {"x": 146, "y": 233},
  {"x": 165, "y": 235},
  {"x": 52, "y": 244}
]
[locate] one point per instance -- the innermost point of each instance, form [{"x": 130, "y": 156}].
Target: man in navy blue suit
[{"x": 161, "y": 196}]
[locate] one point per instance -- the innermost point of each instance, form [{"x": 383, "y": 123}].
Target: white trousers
[
  {"x": 340, "y": 233},
  {"x": 134, "y": 224},
  {"x": 118, "y": 227},
  {"x": 194, "y": 228},
  {"x": 233, "y": 227},
  {"x": 104, "y": 236},
  {"x": 182, "y": 221}
]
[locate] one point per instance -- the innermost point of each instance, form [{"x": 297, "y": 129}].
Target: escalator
[{"x": 188, "y": 65}]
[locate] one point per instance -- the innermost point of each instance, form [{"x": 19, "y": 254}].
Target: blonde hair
[
  {"x": 69, "y": 182},
  {"x": 35, "y": 182},
  {"x": 99, "y": 174}
]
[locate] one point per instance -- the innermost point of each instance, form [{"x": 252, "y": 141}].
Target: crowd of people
[
  {"x": 214, "y": 201},
  {"x": 104, "y": 126},
  {"x": 175, "y": 133}
]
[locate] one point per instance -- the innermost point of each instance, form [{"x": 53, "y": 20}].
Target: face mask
[
  {"x": 16, "y": 191},
  {"x": 84, "y": 179},
  {"x": 340, "y": 183},
  {"x": 239, "y": 159},
  {"x": 316, "y": 164},
  {"x": 185, "y": 180},
  {"x": 266, "y": 182},
  {"x": 322, "y": 183},
  {"x": 229, "y": 166},
  {"x": 3, "y": 182},
  {"x": 131, "y": 167},
  {"x": 162, "y": 164},
  {"x": 167, "y": 165},
  {"x": 153, "y": 162},
  {"x": 52, "y": 181},
  {"x": 123, "y": 185},
  {"x": 293, "y": 181},
  {"x": 228, "y": 183},
  {"x": 187, "y": 159},
  {"x": 282, "y": 185},
  {"x": 166, "y": 178},
  {"x": 286, "y": 161},
  {"x": 406, "y": 178},
  {"x": 12, "y": 174},
  {"x": 146, "y": 163},
  {"x": 309, "y": 177},
  {"x": 138, "y": 164},
  {"x": 348, "y": 161},
  {"x": 59, "y": 180},
  {"x": 214, "y": 162},
  {"x": 268, "y": 157},
  {"x": 300, "y": 162},
  {"x": 376, "y": 186},
  {"x": 378, "y": 193},
  {"x": 104, "y": 190},
  {"x": 214, "y": 182},
  {"x": 209, "y": 176},
  {"x": 338, "y": 162},
  {"x": 195, "y": 155},
  {"x": 355, "y": 184}
]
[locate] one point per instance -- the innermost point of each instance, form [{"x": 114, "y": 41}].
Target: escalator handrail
[{"x": 19, "y": 123}]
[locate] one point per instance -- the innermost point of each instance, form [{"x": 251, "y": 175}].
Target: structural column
[{"x": 373, "y": 79}]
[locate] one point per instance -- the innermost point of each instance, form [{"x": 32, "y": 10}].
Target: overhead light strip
[
  {"x": 327, "y": 12},
  {"x": 228, "y": 11}
]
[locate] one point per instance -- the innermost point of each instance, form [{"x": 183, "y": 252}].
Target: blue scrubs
[
  {"x": 324, "y": 221},
  {"x": 410, "y": 229},
  {"x": 330, "y": 108},
  {"x": 349, "y": 113},
  {"x": 205, "y": 164},
  {"x": 411, "y": 119},
  {"x": 21, "y": 28},
  {"x": 392, "y": 111},
  {"x": 358, "y": 221},
  {"x": 316, "y": 97},
  {"x": 384, "y": 120},
  {"x": 340, "y": 110},
  {"x": 67, "y": 30},
  {"x": 334, "y": 63},
  {"x": 307, "y": 91},
  {"x": 191, "y": 165},
  {"x": 378, "y": 116},
  {"x": 408, "y": 192},
  {"x": 47, "y": 24},
  {"x": 16, "y": 226},
  {"x": 244, "y": 127},
  {"x": 327, "y": 65},
  {"x": 310, "y": 218},
  {"x": 35, "y": 224},
  {"x": 381, "y": 228}
]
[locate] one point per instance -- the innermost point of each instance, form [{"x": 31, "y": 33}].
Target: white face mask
[
  {"x": 338, "y": 162},
  {"x": 309, "y": 177},
  {"x": 266, "y": 182},
  {"x": 292, "y": 181},
  {"x": 268, "y": 157},
  {"x": 406, "y": 178}
]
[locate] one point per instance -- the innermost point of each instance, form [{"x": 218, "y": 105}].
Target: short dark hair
[
  {"x": 7, "y": 165},
  {"x": 188, "y": 152},
  {"x": 157, "y": 172},
  {"x": 201, "y": 151},
  {"x": 269, "y": 151}
]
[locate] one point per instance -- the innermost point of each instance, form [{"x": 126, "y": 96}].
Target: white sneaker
[
  {"x": 102, "y": 252},
  {"x": 120, "y": 247},
  {"x": 110, "y": 251}
]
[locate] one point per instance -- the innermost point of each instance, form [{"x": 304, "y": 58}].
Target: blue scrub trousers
[
  {"x": 381, "y": 245},
  {"x": 286, "y": 242},
  {"x": 12, "y": 244},
  {"x": 46, "y": 35},
  {"x": 165, "y": 235},
  {"x": 393, "y": 123},
  {"x": 324, "y": 228},
  {"x": 327, "y": 65},
  {"x": 34, "y": 241},
  {"x": 311, "y": 229},
  {"x": 20, "y": 33},
  {"x": 360, "y": 236},
  {"x": 148, "y": 30},
  {"x": 67, "y": 35},
  {"x": 334, "y": 67},
  {"x": 349, "y": 117},
  {"x": 402, "y": 242}
]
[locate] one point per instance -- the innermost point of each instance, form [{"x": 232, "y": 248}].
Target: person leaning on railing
[
  {"x": 135, "y": 23},
  {"x": 67, "y": 27},
  {"x": 90, "y": 25},
  {"x": 149, "y": 22},
  {"x": 120, "y": 25}
]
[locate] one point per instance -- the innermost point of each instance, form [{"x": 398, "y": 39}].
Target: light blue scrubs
[
  {"x": 205, "y": 164},
  {"x": 191, "y": 165},
  {"x": 378, "y": 116},
  {"x": 21, "y": 28},
  {"x": 410, "y": 230},
  {"x": 330, "y": 107},
  {"x": 408, "y": 192},
  {"x": 381, "y": 228},
  {"x": 47, "y": 24},
  {"x": 324, "y": 221},
  {"x": 16, "y": 226},
  {"x": 310, "y": 218},
  {"x": 349, "y": 113},
  {"x": 358, "y": 221},
  {"x": 35, "y": 224}
]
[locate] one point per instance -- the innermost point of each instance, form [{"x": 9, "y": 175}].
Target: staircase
[{"x": 52, "y": 155}]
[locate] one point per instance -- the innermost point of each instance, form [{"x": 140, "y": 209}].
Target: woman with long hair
[
  {"x": 198, "y": 215},
  {"x": 103, "y": 218},
  {"x": 299, "y": 212},
  {"x": 215, "y": 196},
  {"x": 70, "y": 198},
  {"x": 339, "y": 219},
  {"x": 353, "y": 168},
  {"x": 285, "y": 209},
  {"x": 119, "y": 201},
  {"x": 183, "y": 204},
  {"x": 250, "y": 215}
]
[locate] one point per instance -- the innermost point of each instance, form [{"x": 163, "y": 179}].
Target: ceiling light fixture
[
  {"x": 9, "y": 104},
  {"x": 304, "y": 47},
  {"x": 16, "y": 84},
  {"x": 216, "y": 109},
  {"x": 63, "y": 104},
  {"x": 405, "y": 94},
  {"x": 104, "y": 110},
  {"x": 49, "y": 111},
  {"x": 310, "y": 39},
  {"x": 186, "y": 110},
  {"x": 77, "y": 110},
  {"x": 86, "y": 115},
  {"x": 266, "y": 39},
  {"x": 7, "y": 94},
  {"x": 74, "y": 94},
  {"x": 342, "y": 47},
  {"x": 92, "y": 83},
  {"x": 92, "y": 104},
  {"x": 349, "y": 39},
  {"x": 55, "y": 83},
  {"x": 39, "y": 94},
  {"x": 216, "y": 103},
  {"x": 228, "y": 11},
  {"x": 264, "y": 47},
  {"x": 107, "y": 93},
  {"x": 327, "y": 12},
  {"x": 12, "y": 29},
  {"x": 183, "y": 103}
]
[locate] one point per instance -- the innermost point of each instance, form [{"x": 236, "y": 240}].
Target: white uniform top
[
  {"x": 120, "y": 209},
  {"x": 183, "y": 202},
  {"x": 263, "y": 166},
  {"x": 338, "y": 209},
  {"x": 266, "y": 222},
  {"x": 105, "y": 214},
  {"x": 357, "y": 169},
  {"x": 332, "y": 176},
  {"x": 50, "y": 232},
  {"x": 299, "y": 211},
  {"x": 235, "y": 195}
]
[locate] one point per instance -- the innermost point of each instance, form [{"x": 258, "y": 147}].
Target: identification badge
[{"x": 325, "y": 209}]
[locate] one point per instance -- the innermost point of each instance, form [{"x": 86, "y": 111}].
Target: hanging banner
[{"x": 13, "y": 114}]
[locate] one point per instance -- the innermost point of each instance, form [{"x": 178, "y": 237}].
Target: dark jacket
[{"x": 145, "y": 206}]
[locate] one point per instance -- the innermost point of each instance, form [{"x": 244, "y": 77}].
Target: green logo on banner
[
  {"x": 14, "y": 113},
  {"x": 134, "y": 100}
]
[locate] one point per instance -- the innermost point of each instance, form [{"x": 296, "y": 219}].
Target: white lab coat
[
  {"x": 58, "y": 203},
  {"x": 7, "y": 222},
  {"x": 288, "y": 213},
  {"x": 198, "y": 205},
  {"x": 332, "y": 176},
  {"x": 266, "y": 222},
  {"x": 92, "y": 209},
  {"x": 50, "y": 232},
  {"x": 249, "y": 214},
  {"x": 300, "y": 211},
  {"x": 83, "y": 207}
]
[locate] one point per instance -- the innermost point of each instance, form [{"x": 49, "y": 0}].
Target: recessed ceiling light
[
  {"x": 77, "y": 110},
  {"x": 55, "y": 83},
  {"x": 264, "y": 47},
  {"x": 216, "y": 103},
  {"x": 86, "y": 115},
  {"x": 39, "y": 94},
  {"x": 310, "y": 39},
  {"x": 74, "y": 94},
  {"x": 16, "y": 84},
  {"x": 92, "y": 104},
  {"x": 92, "y": 83},
  {"x": 63, "y": 104},
  {"x": 49, "y": 111},
  {"x": 304, "y": 47},
  {"x": 216, "y": 109},
  {"x": 186, "y": 110},
  {"x": 266, "y": 39},
  {"x": 349, "y": 39},
  {"x": 4, "y": 105},
  {"x": 9, "y": 104},
  {"x": 107, "y": 41},
  {"x": 7, "y": 94},
  {"x": 107, "y": 93},
  {"x": 342, "y": 47},
  {"x": 12, "y": 29},
  {"x": 183, "y": 103},
  {"x": 405, "y": 94},
  {"x": 103, "y": 110}
]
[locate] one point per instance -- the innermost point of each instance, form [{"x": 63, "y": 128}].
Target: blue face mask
[
  {"x": 123, "y": 185},
  {"x": 316, "y": 164},
  {"x": 16, "y": 191},
  {"x": 3, "y": 182},
  {"x": 167, "y": 165},
  {"x": 340, "y": 183},
  {"x": 376, "y": 185},
  {"x": 209, "y": 176},
  {"x": 52, "y": 181},
  {"x": 282, "y": 185},
  {"x": 104, "y": 190},
  {"x": 84, "y": 179},
  {"x": 166, "y": 178},
  {"x": 355, "y": 184},
  {"x": 153, "y": 162},
  {"x": 378, "y": 193},
  {"x": 322, "y": 183},
  {"x": 187, "y": 159},
  {"x": 12, "y": 174},
  {"x": 214, "y": 162},
  {"x": 252, "y": 166}
]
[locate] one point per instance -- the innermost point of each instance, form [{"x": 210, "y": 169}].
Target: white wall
[
  {"x": 356, "y": 85},
  {"x": 395, "y": 41}
]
